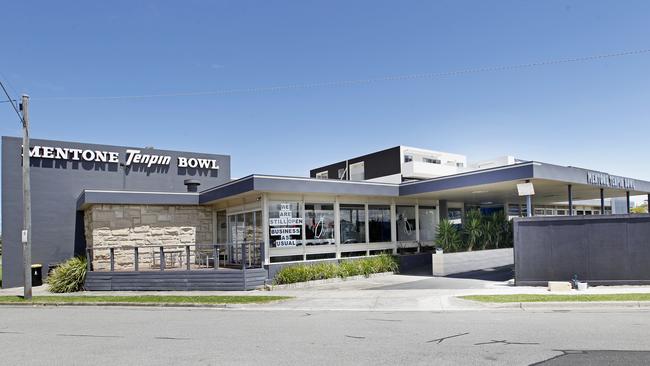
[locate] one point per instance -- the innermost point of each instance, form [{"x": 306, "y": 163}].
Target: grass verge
[
  {"x": 145, "y": 299},
  {"x": 558, "y": 298}
]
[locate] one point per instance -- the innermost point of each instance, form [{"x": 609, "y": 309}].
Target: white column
[
  {"x": 265, "y": 229},
  {"x": 393, "y": 225},
  {"x": 417, "y": 224},
  {"x": 215, "y": 226},
  {"x": 301, "y": 208},
  {"x": 337, "y": 226},
  {"x": 367, "y": 224}
]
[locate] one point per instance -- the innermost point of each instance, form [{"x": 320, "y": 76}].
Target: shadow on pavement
[
  {"x": 468, "y": 280},
  {"x": 498, "y": 274},
  {"x": 577, "y": 358}
]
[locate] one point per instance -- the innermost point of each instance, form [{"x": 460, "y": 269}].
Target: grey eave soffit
[
  {"x": 92, "y": 197},
  {"x": 280, "y": 184},
  {"x": 472, "y": 178}
]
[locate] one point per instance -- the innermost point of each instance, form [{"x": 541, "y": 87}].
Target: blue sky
[{"x": 592, "y": 114}]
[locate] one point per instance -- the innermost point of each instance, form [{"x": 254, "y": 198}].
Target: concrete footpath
[{"x": 393, "y": 293}]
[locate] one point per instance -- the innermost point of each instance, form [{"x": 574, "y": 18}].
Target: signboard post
[
  {"x": 27, "y": 204},
  {"x": 527, "y": 189}
]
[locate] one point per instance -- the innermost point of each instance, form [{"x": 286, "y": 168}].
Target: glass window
[
  {"x": 285, "y": 224},
  {"x": 513, "y": 210},
  {"x": 222, "y": 227},
  {"x": 253, "y": 221},
  {"x": 561, "y": 212},
  {"x": 539, "y": 212},
  {"x": 405, "y": 223},
  {"x": 431, "y": 161},
  {"x": 428, "y": 218},
  {"x": 455, "y": 215},
  {"x": 549, "y": 212},
  {"x": 379, "y": 223},
  {"x": 341, "y": 173},
  {"x": 460, "y": 165},
  {"x": 353, "y": 224},
  {"x": 322, "y": 175},
  {"x": 408, "y": 158},
  {"x": 319, "y": 223},
  {"x": 580, "y": 212},
  {"x": 357, "y": 171}
]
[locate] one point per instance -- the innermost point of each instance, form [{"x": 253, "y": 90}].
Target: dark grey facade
[
  {"x": 378, "y": 164},
  {"x": 57, "y": 185},
  {"x": 602, "y": 250}
]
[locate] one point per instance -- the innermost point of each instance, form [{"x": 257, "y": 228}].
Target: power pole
[{"x": 27, "y": 202}]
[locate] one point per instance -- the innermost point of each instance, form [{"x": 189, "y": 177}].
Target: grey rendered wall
[
  {"x": 599, "y": 249},
  {"x": 56, "y": 185}
]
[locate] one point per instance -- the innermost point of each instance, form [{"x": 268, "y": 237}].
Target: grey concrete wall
[
  {"x": 56, "y": 185},
  {"x": 599, "y": 249}
]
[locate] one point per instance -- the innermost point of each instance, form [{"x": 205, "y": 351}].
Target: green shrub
[
  {"x": 69, "y": 276},
  {"x": 346, "y": 268},
  {"x": 448, "y": 237}
]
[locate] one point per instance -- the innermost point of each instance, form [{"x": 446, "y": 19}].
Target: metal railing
[{"x": 176, "y": 257}]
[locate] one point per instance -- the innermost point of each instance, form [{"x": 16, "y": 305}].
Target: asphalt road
[{"x": 153, "y": 336}]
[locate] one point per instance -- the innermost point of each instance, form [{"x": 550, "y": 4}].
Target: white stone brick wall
[{"x": 146, "y": 226}]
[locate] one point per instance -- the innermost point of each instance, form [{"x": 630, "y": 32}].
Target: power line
[
  {"x": 359, "y": 81},
  {"x": 9, "y": 100}
]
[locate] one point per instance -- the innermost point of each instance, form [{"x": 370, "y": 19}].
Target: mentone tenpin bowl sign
[
  {"x": 133, "y": 156},
  {"x": 612, "y": 181}
]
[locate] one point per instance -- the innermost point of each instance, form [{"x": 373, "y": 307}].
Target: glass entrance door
[{"x": 245, "y": 229}]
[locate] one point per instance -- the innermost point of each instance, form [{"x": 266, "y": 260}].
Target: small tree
[{"x": 447, "y": 236}]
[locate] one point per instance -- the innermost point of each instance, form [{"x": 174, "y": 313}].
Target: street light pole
[{"x": 27, "y": 202}]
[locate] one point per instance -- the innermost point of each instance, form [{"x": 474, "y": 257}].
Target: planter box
[{"x": 321, "y": 282}]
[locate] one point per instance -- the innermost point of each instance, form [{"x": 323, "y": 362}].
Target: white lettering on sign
[
  {"x": 65, "y": 153},
  {"x": 197, "y": 163},
  {"x": 284, "y": 221},
  {"x": 278, "y": 231},
  {"x": 612, "y": 181},
  {"x": 133, "y": 156},
  {"x": 286, "y": 243}
]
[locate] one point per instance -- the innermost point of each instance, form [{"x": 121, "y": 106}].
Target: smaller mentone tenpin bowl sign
[
  {"x": 133, "y": 156},
  {"x": 611, "y": 181},
  {"x": 284, "y": 226}
]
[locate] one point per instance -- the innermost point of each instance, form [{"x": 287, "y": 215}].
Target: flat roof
[{"x": 551, "y": 179}]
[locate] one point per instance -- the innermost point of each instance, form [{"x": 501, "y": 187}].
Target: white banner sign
[{"x": 290, "y": 226}]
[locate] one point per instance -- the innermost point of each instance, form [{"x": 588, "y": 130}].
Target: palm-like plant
[
  {"x": 489, "y": 232},
  {"x": 447, "y": 236},
  {"x": 500, "y": 228},
  {"x": 473, "y": 229}
]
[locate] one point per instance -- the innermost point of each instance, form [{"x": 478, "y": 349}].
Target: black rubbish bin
[{"x": 37, "y": 274}]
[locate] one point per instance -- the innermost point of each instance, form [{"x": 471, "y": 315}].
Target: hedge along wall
[
  {"x": 146, "y": 226},
  {"x": 613, "y": 249}
]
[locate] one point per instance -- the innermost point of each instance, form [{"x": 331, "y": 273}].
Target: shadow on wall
[
  {"x": 114, "y": 167},
  {"x": 76, "y": 165},
  {"x": 159, "y": 169},
  {"x": 199, "y": 172}
]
